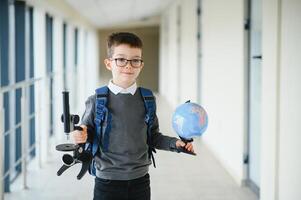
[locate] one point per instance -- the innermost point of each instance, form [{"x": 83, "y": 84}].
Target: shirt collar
[{"x": 116, "y": 89}]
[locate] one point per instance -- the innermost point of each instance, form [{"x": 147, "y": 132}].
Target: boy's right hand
[{"x": 80, "y": 136}]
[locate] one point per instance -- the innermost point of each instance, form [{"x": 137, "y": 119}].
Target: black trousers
[{"x": 136, "y": 189}]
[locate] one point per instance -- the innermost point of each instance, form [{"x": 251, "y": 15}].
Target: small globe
[{"x": 189, "y": 120}]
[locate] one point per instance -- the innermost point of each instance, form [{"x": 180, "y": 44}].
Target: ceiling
[{"x": 120, "y": 13}]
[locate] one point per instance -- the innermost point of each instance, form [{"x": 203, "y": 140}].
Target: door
[{"x": 255, "y": 58}]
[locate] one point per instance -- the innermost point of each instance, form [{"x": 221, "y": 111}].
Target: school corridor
[
  {"x": 239, "y": 59},
  {"x": 176, "y": 177}
]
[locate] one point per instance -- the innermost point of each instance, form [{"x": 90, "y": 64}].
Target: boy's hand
[
  {"x": 188, "y": 146},
  {"x": 80, "y": 136}
]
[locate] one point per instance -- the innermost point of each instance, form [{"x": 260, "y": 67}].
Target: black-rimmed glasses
[{"x": 122, "y": 62}]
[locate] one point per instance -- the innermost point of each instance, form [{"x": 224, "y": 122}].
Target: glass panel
[
  {"x": 18, "y": 144},
  {"x": 65, "y": 54},
  {"x": 19, "y": 75},
  {"x": 6, "y": 141},
  {"x": 49, "y": 62},
  {"x": 31, "y": 90},
  {"x": 76, "y": 47},
  {"x": 4, "y": 38},
  {"x": 4, "y": 81},
  {"x": 255, "y": 90},
  {"x": 20, "y": 40}
]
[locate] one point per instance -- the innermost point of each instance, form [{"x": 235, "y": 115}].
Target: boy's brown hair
[{"x": 118, "y": 38}]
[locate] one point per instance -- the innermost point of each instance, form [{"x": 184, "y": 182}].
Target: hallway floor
[{"x": 177, "y": 176}]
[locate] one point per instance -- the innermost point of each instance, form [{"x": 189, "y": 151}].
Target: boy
[{"x": 122, "y": 170}]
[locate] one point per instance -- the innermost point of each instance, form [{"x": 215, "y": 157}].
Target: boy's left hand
[{"x": 188, "y": 146}]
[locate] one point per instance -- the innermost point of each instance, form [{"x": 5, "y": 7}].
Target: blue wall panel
[
  {"x": 6, "y": 141},
  {"x": 4, "y": 81},
  {"x": 65, "y": 54},
  {"x": 20, "y": 40},
  {"x": 20, "y": 9},
  {"x": 32, "y": 91},
  {"x": 49, "y": 63},
  {"x": 4, "y": 38}
]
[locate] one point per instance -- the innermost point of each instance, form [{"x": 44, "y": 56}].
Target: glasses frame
[{"x": 127, "y": 61}]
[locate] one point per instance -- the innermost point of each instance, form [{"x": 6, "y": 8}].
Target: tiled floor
[{"x": 177, "y": 176}]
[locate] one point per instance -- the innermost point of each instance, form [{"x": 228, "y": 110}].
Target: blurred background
[{"x": 239, "y": 59}]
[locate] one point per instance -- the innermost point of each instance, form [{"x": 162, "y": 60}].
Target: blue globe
[{"x": 189, "y": 120}]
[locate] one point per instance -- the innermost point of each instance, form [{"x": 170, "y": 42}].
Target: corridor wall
[
  {"x": 222, "y": 78},
  {"x": 224, "y": 84},
  {"x": 281, "y": 92},
  {"x": 178, "y": 52}
]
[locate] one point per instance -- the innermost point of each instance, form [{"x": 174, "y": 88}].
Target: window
[
  {"x": 65, "y": 54},
  {"x": 14, "y": 18},
  {"x": 75, "y": 47},
  {"x": 49, "y": 64},
  {"x": 32, "y": 136}
]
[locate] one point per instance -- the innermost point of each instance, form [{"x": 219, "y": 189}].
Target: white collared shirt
[{"x": 116, "y": 89}]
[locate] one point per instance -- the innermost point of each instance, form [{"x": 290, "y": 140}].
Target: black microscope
[{"x": 80, "y": 155}]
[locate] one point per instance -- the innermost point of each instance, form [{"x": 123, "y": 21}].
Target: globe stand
[{"x": 182, "y": 149}]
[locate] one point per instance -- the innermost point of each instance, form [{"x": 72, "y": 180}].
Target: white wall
[
  {"x": 58, "y": 70},
  {"x": 188, "y": 61},
  {"x": 223, "y": 72},
  {"x": 178, "y": 68},
  {"x": 169, "y": 54},
  {"x": 281, "y": 162},
  {"x": 41, "y": 97},
  {"x": 290, "y": 98},
  {"x": 223, "y": 81},
  {"x": 270, "y": 99},
  {"x": 91, "y": 78}
]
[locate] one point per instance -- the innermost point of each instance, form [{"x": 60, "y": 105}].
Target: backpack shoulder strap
[
  {"x": 150, "y": 107},
  {"x": 150, "y": 104},
  {"x": 101, "y": 102},
  {"x": 102, "y": 93},
  {"x": 101, "y": 118},
  {"x": 101, "y": 99}
]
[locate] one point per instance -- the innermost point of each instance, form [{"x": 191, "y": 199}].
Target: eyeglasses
[{"x": 122, "y": 62}]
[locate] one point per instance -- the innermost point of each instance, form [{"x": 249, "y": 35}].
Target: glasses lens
[
  {"x": 121, "y": 62},
  {"x": 136, "y": 62}
]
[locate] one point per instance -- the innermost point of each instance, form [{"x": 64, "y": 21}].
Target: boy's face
[{"x": 124, "y": 76}]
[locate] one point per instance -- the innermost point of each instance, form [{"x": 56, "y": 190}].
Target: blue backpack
[{"x": 103, "y": 119}]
